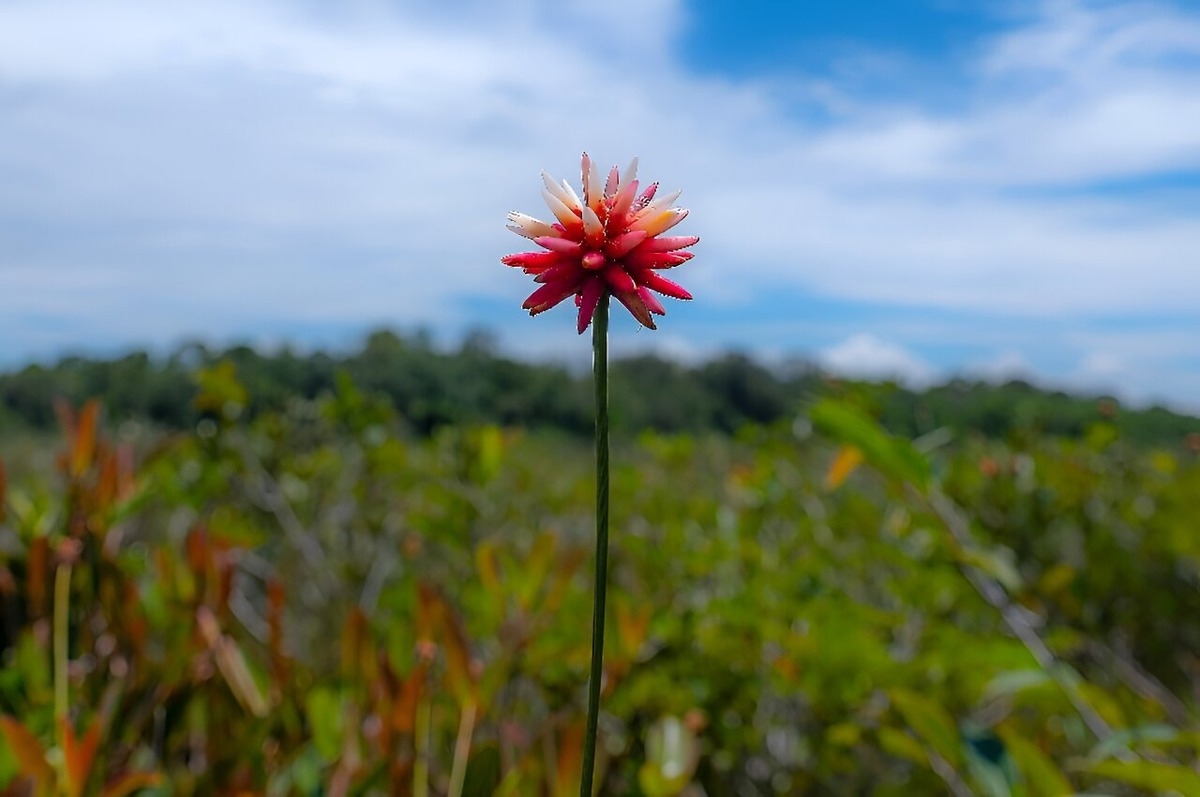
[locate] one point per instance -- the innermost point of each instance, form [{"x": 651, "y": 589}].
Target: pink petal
[
  {"x": 644, "y": 200},
  {"x": 528, "y": 226},
  {"x": 637, "y": 308},
  {"x": 593, "y": 192},
  {"x": 669, "y": 243},
  {"x": 568, "y": 270},
  {"x": 532, "y": 259},
  {"x": 593, "y": 229},
  {"x": 623, "y": 202},
  {"x": 614, "y": 179},
  {"x": 549, "y": 295},
  {"x": 556, "y": 244},
  {"x": 588, "y": 297},
  {"x": 654, "y": 223},
  {"x": 651, "y": 301},
  {"x": 561, "y": 212},
  {"x": 642, "y": 259},
  {"x": 619, "y": 279},
  {"x": 564, "y": 196},
  {"x": 630, "y": 174},
  {"x": 624, "y": 242},
  {"x": 655, "y": 282}
]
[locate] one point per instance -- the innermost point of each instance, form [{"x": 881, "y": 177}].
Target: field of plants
[{"x": 312, "y": 599}]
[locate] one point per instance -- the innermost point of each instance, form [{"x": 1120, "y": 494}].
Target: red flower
[{"x": 609, "y": 242}]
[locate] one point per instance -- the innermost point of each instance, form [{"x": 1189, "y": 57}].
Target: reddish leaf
[
  {"x": 78, "y": 754},
  {"x": 83, "y": 444},
  {"x": 570, "y": 761},
  {"x": 130, "y": 782},
  {"x": 404, "y": 711},
  {"x": 37, "y": 569},
  {"x": 30, "y": 755}
]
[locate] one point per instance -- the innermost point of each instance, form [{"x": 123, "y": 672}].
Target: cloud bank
[{"x": 260, "y": 168}]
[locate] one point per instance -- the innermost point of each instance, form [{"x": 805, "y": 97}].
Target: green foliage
[
  {"x": 474, "y": 384},
  {"x": 302, "y": 596}
]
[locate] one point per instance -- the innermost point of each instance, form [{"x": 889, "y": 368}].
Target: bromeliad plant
[{"x": 609, "y": 243}]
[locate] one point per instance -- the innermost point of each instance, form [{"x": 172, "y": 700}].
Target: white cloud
[
  {"x": 1005, "y": 366},
  {"x": 196, "y": 168},
  {"x": 867, "y": 357}
]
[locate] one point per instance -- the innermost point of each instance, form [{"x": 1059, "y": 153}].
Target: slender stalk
[
  {"x": 422, "y": 731},
  {"x": 462, "y": 749},
  {"x": 62, "y": 598},
  {"x": 600, "y": 588}
]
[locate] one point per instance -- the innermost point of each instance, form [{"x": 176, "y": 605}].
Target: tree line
[{"x": 475, "y": 383}]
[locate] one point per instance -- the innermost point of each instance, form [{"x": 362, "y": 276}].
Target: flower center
[{"x": 594, "y": 260}]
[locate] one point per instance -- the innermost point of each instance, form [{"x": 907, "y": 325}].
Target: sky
[{"x": 906, "y": 188}]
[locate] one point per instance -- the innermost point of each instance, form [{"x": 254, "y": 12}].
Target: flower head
[{"x": 610, "y": 241}]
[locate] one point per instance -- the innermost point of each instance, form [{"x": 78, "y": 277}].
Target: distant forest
[{"x": 430, "y": 387}]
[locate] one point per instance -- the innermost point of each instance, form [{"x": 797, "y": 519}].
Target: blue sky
[{"x": 931, "y": 188}]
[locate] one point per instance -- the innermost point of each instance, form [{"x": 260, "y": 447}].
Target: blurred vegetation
[
  {"x": 473, "y": 384},
  {"x": 319, "y": 594}
]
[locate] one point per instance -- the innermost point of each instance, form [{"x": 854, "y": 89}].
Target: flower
[{"x": 611, "y": 241}]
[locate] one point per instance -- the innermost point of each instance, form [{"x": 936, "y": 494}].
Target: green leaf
[
  {"x": 932, "y": 723},
  {"x": 900, "y": 744},
  {"x": 891, "y": 456},
  {"x": 324, "y": 707},
  {"x": 1042, "y": 777},
  {"x": 1013, "y": 681},
  {"x": 483, "y": 773},
  {"x": 1150, "y": 775}
]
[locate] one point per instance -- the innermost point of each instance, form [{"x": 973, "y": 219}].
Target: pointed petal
[
  {"x": 640, "y": 258},
  {"x": 657, "y": 206},
  {"x": 624, "y": 242},
  {"x": 630, "y": 174},
  {"x": 528, "y": 226},
  {"x": 557, "y": 190},
  {"x": 656, "y": 282},
  {"x": 593, "y": 188},
  {"x": 644, "y": 198},
  {"x": 623, "y": 202},
  {"x": 610, "y": 186},
  {"x": 593, "y": 228},
  {"x": 574, "y": 197},
  {"x": 637, "y": 308},
  {"x": 570, "y": 270},
  {"x": 668, "y": 243},
  {"x": 651, "y": 301},
  {"x": 549, "y": 295},
  {"x": 533, "y": 259},
  {"x": 556, "y": 244},
  {"x": 589, "y": 297},
  {"x": 655, "y": 223},
  {"x": 561, "y": 211},
  {"x": 619, "y": 279},
  {"x": 585, "y": 170}
]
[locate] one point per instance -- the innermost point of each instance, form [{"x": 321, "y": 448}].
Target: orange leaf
[
  {"x": 458, "y": 658},
  {"x": 30, "y": 755},
  {"x": 78, "y": 754},
  {"x": 404, "y": 710},
  {"x": 570, "y": 760},
  {"x": 847, "y": 459},
  {"x": 36, "y": 571},
  {"x": 632, "y": 625},
  {"x": 83, "y": 446},
  {"x": 358, "y": 657},
  {"x": 276, "y": 598},
  {"x": 130, "y": 782}
]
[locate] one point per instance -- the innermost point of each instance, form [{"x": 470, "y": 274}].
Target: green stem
[
  {"x": 62, "y": 599},
  {"x": 600, "y": 588}
]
